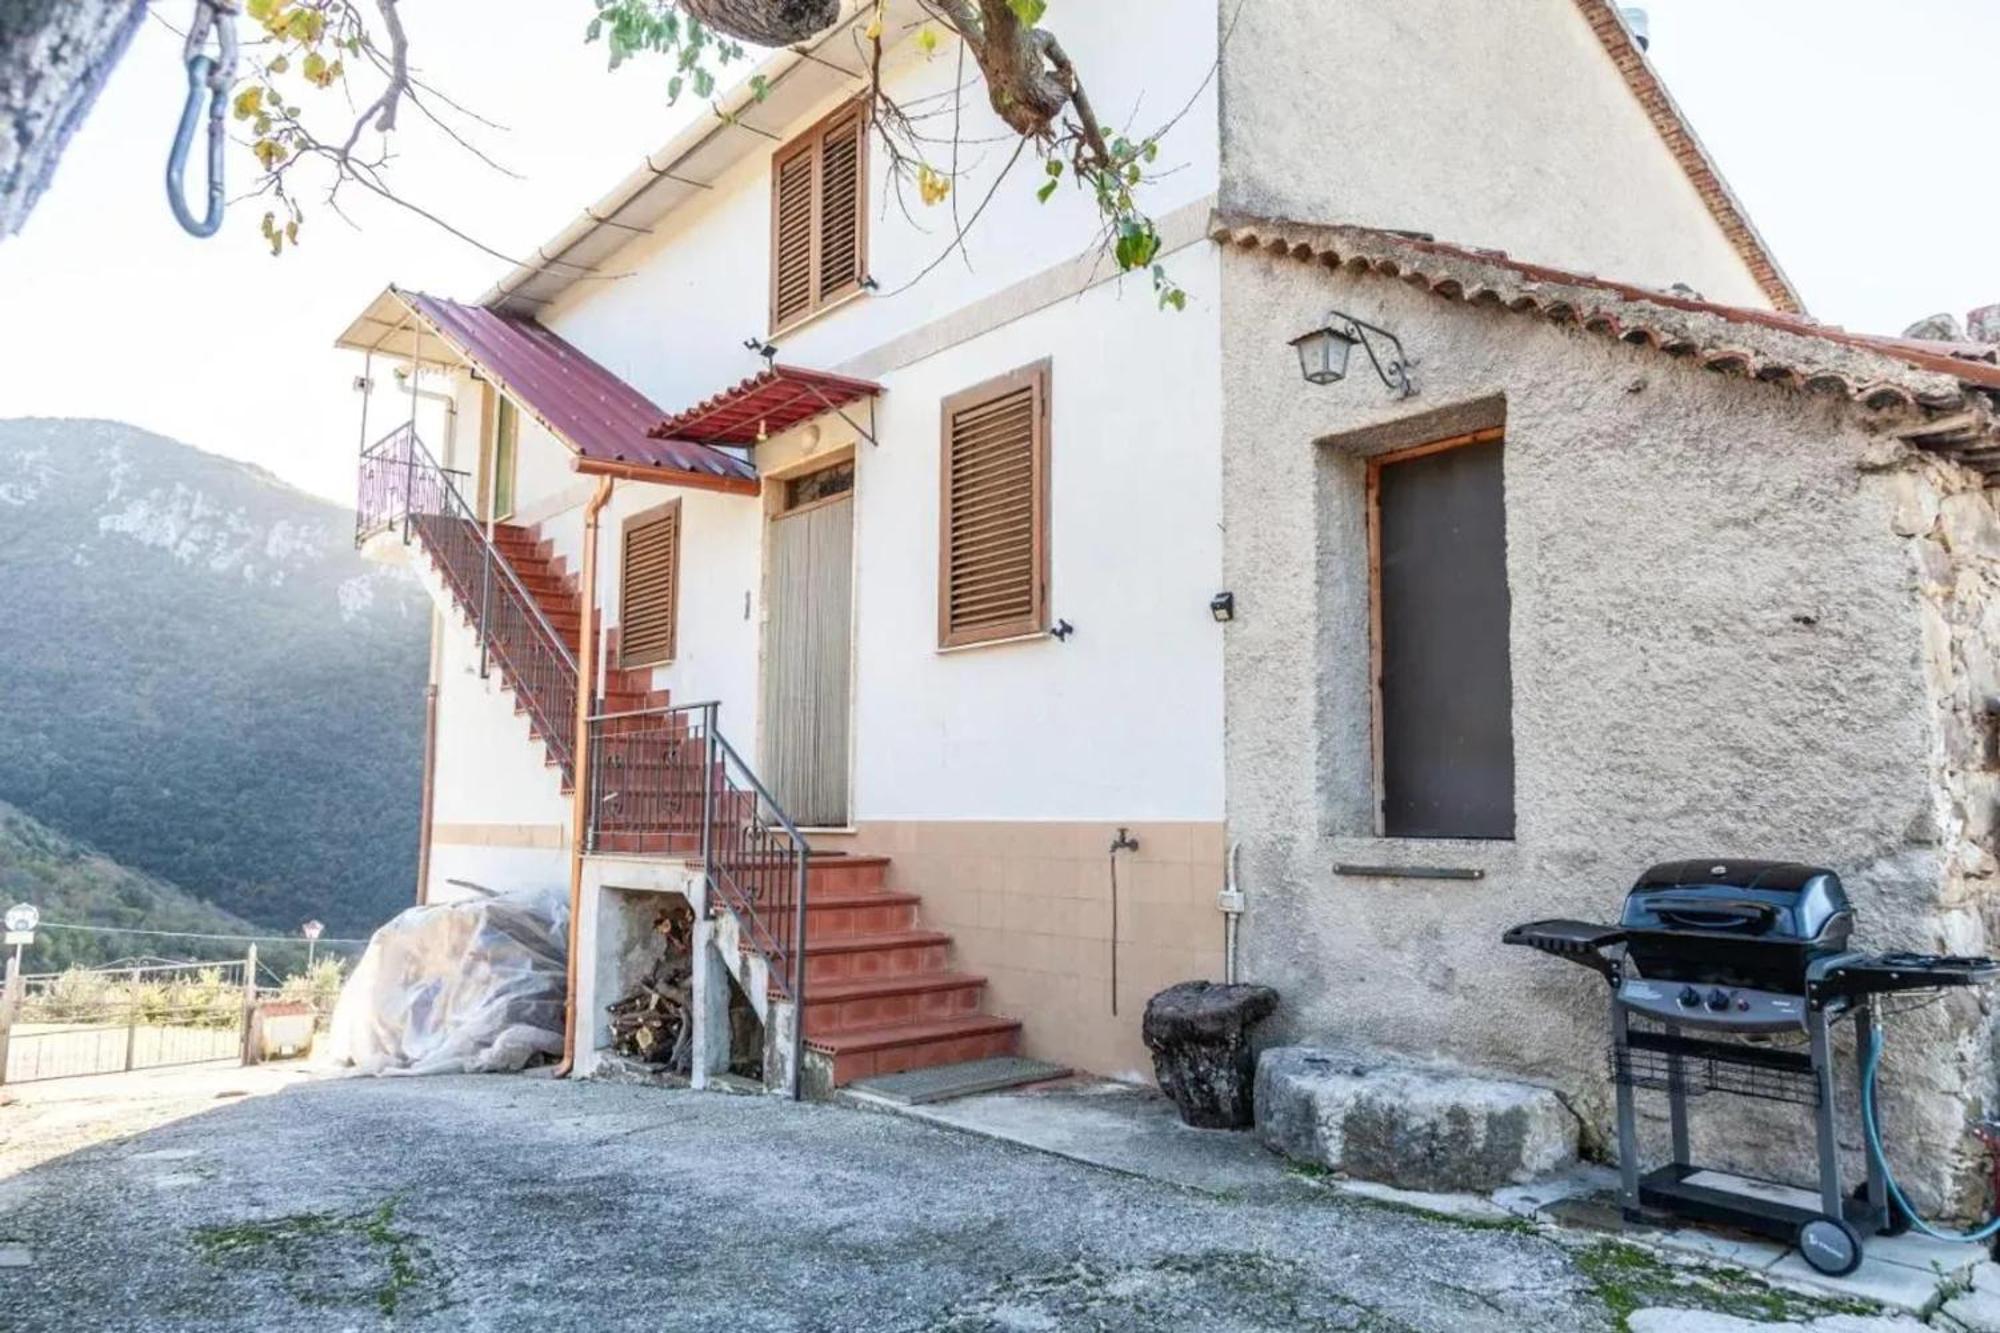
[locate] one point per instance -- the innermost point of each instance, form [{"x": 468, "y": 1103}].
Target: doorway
[{"x": 808, "y": 645}]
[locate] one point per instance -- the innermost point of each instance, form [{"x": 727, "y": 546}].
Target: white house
[{"x": 948, "y": 566}]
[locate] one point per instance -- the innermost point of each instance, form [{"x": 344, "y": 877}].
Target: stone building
[{"x": 1747, "y": 571}]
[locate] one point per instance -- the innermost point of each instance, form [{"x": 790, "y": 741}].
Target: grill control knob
[
  {"x": 1689, "y": 997},
  {"x": 1718, "y": 1000}
]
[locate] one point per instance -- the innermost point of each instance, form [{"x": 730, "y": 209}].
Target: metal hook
[{"x": 212, "y": 74}]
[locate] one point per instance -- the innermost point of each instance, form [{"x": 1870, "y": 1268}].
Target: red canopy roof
[
  {"x": 764, "y": 405},
  {"x": 587, "y": 407}
]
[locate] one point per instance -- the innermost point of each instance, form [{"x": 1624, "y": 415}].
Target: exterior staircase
[{"x": 879, "y": 993}]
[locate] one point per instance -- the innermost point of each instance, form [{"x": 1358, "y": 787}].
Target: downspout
[
  {"x": 430, "y": 765},
  {"x": 1230, "y": 901},
  {"x": 579, "y": 808}
]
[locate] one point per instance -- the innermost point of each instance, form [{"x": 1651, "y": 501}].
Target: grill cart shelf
[{"x": 1712, "y": 965}]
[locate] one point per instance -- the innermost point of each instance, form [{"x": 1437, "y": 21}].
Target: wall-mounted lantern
[
  {"x": 1323, "y": 353},
  {"x": 1223, "y": 607}
]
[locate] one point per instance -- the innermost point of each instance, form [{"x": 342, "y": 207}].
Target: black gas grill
[{"x": 1712, "y": 966}]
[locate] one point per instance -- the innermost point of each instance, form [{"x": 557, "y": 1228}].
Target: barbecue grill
[{"x": 1712, "y": 965}]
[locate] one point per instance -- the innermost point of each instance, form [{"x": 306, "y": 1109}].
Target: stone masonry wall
[{"x": 1746, "y": 622}]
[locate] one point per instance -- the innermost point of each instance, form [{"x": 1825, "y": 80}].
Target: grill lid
[{"x": 1771, "y": 902}]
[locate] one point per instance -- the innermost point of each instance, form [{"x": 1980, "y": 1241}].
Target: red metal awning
[
  {"x": 763, "y": 406},
  {"x": 599, "y": 416}
]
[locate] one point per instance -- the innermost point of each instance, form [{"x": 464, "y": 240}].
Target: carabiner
[{"x": 212, "y": 75}]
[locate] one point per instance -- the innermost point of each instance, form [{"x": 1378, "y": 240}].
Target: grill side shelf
[{"x": 1580, "y": 942}]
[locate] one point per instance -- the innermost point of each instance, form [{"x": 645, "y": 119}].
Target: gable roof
[
  {"x": 604, "y": 420},
  {"x": 1954, "y": 386},
  {"x": 1679, "y": 136},
  {"x": 796, "y": 79}
]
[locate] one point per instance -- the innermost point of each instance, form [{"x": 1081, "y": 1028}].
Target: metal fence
[{"x": 115, "y": 1019}]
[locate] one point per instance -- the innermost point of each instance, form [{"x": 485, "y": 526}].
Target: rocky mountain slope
[{"x": 200, "y": 679}]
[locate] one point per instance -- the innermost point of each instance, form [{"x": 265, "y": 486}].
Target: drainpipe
[
  {"x": 1230, "y": 901},
  {"x": 579, "y": 807}
]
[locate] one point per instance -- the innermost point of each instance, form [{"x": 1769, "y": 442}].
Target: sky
[{"x": 1852, "y": 131}]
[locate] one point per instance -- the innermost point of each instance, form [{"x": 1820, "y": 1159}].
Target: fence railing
[
  {"x": 118, "y": 1019},
  {"x": 665, "y": 781},
  {"x": 402, "y": 486}
]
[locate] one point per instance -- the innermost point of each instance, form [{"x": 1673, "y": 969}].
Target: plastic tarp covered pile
[{"x": 472, "y": 987}]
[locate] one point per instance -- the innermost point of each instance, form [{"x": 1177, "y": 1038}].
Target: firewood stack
[{"x": 654, "y": 1021}]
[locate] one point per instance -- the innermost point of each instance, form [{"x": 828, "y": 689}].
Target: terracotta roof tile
[
  {"x": 1659, "y": 105},
  {"x": 1878, "y": 372}
]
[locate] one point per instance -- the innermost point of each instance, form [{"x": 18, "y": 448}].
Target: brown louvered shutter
[
  {"x": 842, "y": 217},
  {"x": 792, "y": 238},
  {"x": 819, "y": 217},
  {"x": 993, "y": 519},
  {"x": 649, "y": 592}
]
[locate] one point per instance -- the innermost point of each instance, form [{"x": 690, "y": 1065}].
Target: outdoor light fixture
[
  {"x": 1323, "y": 353},
  {"x": 1223, "y": 606}
]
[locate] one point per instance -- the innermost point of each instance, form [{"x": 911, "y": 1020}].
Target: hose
[{"x": 1871, "y": 1064}]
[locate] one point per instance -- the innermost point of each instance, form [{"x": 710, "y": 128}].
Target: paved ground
[{"x": 517, "y": 1202}]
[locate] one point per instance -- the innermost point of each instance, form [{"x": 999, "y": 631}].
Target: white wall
[
  {"x": 1124, "y": 720},
  {"x": 693, "y": 291},
  {"x": 1501, "y": 124}
]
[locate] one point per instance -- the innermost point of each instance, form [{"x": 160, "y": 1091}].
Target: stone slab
[
  {"x": 16, "y": 1256},
  {"x": 1407, "y": 1125},
  {"x": 1709, "y": 1321},
  {"x": 1893, "y": 1285},
  {"x": 921, "y": 1087}
]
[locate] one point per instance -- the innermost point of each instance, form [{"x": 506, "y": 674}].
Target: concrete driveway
[{"x": 519, "y": 1202}]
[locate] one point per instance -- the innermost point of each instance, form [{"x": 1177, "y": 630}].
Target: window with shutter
[
  {"x": 649, "y": 592},
  {"x": 993, "y": 510},
  {"x": 819, "y": 217}
]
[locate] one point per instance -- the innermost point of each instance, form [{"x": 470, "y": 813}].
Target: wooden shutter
[
  {"x": 842, "y": 214},
  {"x": 649, "y": 590},
  {"x": 819, "y": 217},
  {"x": 993, "y": 510},
  {"x": 792, "y": 238}
]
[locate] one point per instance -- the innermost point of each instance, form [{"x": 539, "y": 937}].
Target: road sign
[
  {"x": 18, "y": 937},
  {"x": 23, "y": 916}
]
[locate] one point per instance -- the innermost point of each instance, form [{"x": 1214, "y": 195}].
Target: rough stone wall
[{"x": 1721, "y": 645}]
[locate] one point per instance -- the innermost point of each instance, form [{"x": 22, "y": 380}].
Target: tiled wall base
[{"x": 1028, "y": 906}]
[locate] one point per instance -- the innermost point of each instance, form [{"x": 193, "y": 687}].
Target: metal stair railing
[
  {"x": 403, "y": 486},
  {"x": 665, "y": 781}
]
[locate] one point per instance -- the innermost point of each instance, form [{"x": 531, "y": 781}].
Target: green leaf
[
  {"x": 1029, "y": 11},
  {"x": 1047, "y": 189}
]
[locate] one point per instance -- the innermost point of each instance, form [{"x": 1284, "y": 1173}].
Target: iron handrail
[
  {"x": 754, "y": 857},
  {"x": 402, "y": 482},
  {"x": 466, "y": 513}
]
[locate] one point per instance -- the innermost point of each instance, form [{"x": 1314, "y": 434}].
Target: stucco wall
[
  {"x": 1501, "y": 124},
  {"x": 1717, "y": 648}
]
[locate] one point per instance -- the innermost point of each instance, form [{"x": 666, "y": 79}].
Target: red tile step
[
  {"x": 858, "y": 957},
  {"x": 843, "y": 913},
  {"x": 880, "y": 1003},
  {"x": 868, "y": 1052}
]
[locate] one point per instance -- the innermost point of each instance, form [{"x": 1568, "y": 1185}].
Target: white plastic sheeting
[{"x": 469, "y": 987}]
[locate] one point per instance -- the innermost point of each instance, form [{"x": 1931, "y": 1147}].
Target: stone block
[
  {"x": 1408, "y": 1125},
  {"x": 1969, "y": 524},
  {"x": 1199, "y": 1034},
  {"x": 1976, "y": 1310}
]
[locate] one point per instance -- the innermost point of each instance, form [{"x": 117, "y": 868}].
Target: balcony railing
[{"x": 402, "y": 486}]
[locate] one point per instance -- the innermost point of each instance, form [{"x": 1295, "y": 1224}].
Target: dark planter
[{"x": 1199, "y": 1034}]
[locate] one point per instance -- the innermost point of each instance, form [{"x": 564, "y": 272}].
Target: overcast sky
[{"x": 1854, "y": 131}]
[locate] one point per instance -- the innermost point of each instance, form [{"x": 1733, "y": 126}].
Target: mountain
[
  {"x": 201, "y": 679},
  {"x": 70, "y": 883}
]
